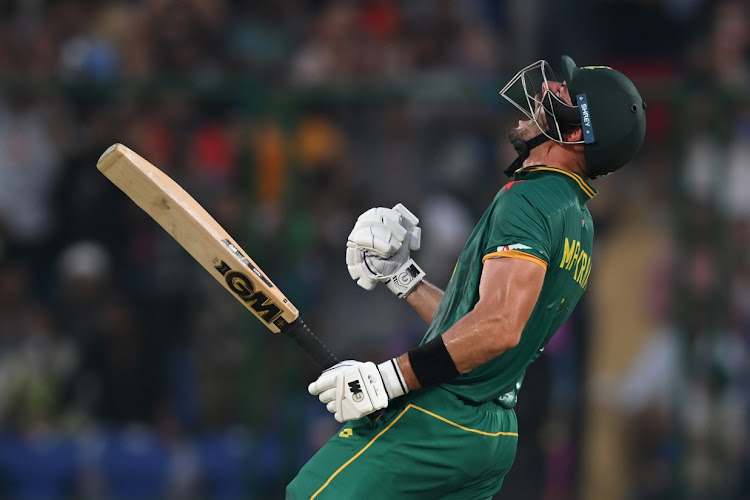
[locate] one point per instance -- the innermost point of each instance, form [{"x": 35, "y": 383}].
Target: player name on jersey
[{"x": 576, "y": 260}]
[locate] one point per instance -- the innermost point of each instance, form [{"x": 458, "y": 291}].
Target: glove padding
[
  {"x": 379, "y": 246},
  {"x": 382, "y": 231},
  {"x": 352, "y": 389}
]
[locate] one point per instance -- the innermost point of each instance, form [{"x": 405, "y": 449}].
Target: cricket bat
[{"x": 199, "y": 233}]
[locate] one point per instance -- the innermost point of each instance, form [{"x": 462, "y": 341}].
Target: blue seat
[
  {"x": 133, "y": 464},
  {"x": 223, "y": 461},
  {"x": 39, "y": 468}
]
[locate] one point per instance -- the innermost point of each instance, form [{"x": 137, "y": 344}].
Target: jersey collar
[{"x": 583, "y": 188}]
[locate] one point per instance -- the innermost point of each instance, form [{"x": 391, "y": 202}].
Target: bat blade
[{"x": 201, "y": 235}]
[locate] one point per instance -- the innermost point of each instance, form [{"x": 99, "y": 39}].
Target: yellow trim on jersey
[
  {"x": 581, "y": 183},
  {"x": 454, "y": 424},
  {"x": 398, "y": 417},
  {"x": 515, "y": 254}
]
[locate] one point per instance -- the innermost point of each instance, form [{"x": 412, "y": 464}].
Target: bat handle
[{"x": 312, "y": 345}]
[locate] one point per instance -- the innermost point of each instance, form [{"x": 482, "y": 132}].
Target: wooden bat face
[{"x": 198, "y": 233}]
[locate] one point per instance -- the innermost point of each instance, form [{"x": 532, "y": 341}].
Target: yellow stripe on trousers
[{"x": 410, "y": 406}]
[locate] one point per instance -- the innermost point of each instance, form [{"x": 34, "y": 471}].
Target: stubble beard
[
  {"x": 531, "y": 129},
  {"x": 525, "y": 133}
]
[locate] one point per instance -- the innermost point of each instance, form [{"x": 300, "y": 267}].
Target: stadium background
[{"x": 127, "y": 373}]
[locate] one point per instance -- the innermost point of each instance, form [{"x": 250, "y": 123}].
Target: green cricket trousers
[{"x": 428, "y": 444}]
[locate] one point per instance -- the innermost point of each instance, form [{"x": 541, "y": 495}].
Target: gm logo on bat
[{"x": 243, "y": 287}]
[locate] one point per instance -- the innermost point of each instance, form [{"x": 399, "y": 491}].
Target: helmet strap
[{"x": 523, "y": 148}]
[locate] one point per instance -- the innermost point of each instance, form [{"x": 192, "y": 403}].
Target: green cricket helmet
[{"x": 606, "y": 105}]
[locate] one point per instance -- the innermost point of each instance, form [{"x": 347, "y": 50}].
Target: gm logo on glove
[{"x": 356, "y": 390}]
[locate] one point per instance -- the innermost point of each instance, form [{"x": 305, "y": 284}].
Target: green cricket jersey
[{"x": 540, "y": 216}]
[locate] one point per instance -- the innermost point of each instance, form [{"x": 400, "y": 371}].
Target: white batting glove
[
  {"x": 352, "y": 389},
  {"x": 396, "y": 233},
  {"x": 379, "y": 230}
]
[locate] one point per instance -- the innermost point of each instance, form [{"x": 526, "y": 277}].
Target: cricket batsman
[{"x": 449, "y": 430}]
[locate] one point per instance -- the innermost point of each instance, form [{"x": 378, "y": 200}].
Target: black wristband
[{"x": 432, "y": 363}]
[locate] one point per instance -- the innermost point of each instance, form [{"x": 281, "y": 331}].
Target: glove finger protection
[
  {"x": 328, "y": 395},
  {"x": 415, "y": 238},
  {"x": 320, "y": 385},
  {"x": 379, "y": 230},
  {"x": 327, "y": 379},
  {"x": 407, "y": 218},
  {"x": 357, "y": 271},
  {"x": 409, "y": 221},
  {"x": 380, "y": 238},
  {"x": 380, "y": 214},
  {"x": 390, "y": 220}
]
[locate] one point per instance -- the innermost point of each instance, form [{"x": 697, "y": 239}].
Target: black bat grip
[{"x": 308, "y": 341}]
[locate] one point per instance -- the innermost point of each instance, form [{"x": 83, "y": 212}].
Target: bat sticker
[{"x": 245, "y": 261}]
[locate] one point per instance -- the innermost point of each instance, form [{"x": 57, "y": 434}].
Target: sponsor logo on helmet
[{"x": 586, "y": 125}]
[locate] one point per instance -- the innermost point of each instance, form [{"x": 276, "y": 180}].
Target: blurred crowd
[{"x": 127, "y": 373}]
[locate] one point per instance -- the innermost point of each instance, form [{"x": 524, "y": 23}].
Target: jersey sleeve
[{"x": 518, "y": 230}]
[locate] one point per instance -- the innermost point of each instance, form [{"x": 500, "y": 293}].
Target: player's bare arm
[
  {"x": 508, "y": 291},
  {"x": 424, "y": 299}
]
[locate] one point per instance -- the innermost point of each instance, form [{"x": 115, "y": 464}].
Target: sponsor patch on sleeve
[
  {"x": 518, "y": 251},
  {"x": 515, "y": 246}
]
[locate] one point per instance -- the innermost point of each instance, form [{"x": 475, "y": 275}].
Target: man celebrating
[{"x": 449, "y": 430}]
